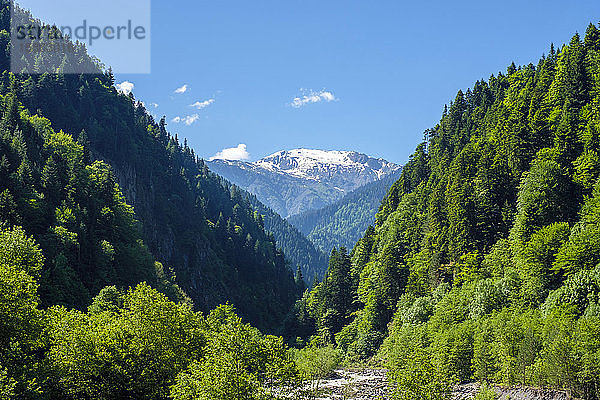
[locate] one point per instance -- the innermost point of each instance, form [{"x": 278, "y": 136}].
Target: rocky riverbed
[
  {"x": 359, "y": 384},
  {"x": 371, "y": 384},
  {"x": 469, "y": 391}
]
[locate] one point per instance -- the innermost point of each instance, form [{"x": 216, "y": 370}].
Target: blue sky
[{"x": 368, "y": 76}]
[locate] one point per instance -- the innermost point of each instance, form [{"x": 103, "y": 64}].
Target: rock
[
  {"x": 372, "y": 384},
  {"x": 359, "y": 384},
  {"x": 469, "y": 391}
]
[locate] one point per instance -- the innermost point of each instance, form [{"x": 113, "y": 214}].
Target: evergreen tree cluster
[
  {"x": 483, "y": 262},
  {"x": 56, "y": 128},
  {"x": 301, "y": 252},
  {"x": 343, "y": 222}
]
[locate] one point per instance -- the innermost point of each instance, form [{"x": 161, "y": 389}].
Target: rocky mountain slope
[{"x": 295, "y": 181}]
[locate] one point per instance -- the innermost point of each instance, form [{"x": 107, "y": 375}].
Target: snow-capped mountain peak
[
  {"x": 293, "y": 181},
  {"x": 322, "y": 164}
]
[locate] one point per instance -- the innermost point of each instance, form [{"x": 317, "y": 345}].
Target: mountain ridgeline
[
  {"x": 74, "y": 151},
  {"x": 312, "y": 180},
  {"x": 484, "y": 261},
  {"x": 344, "y": 222},
  {"x": 294, "y": 181}
]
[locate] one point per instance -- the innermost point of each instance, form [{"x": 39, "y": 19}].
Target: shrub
[
  {"x": 486, "y": 393},
  {"x": 239, "y": 363},
  {"x": 579, "y": 290},
  {"x": 417, "y": 378},
  {"x": 316, "y": 362}
]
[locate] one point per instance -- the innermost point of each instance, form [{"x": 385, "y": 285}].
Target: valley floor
[
  {"x": 469, "y": 390},
  {"x": 371, "y": 384},
  {"x": 359, "y": 384}
]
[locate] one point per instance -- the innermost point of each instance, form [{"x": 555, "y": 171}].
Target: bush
[
  {"x": 239, "y": 363},
  {"x": 484, "y": 362},
  {"x": 586, "y": 348},
  {"x": 579, "y": 290},
  {"x": 453, "y": 351},
  {"x": 133, "y": 352},
  {"x": 316, "y": 362},
  {"x": 420, "y": 311},
  {"x": 486, "y": 393},
  {"x": 487, "y": 297},
  {"x": 417, "y": 378}
]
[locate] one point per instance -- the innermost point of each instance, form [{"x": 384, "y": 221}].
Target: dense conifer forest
[
  {"x": 303, "y": 254},
  {"x": 343, "y": 222},
  {"x": 483, "y": 263},
  {"x": 201, "y": 228},
  {"x": 125, "y": 262}
]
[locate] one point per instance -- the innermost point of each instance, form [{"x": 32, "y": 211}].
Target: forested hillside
[
  {"x": 308, "y": 260},
  {"x": 482, "y": 264},
  {"x": 344, "y": 222},
  {"x": 54, "y": 127},
  {"x": 484, "y": 260},
  {"x": 129, "y": 344}
]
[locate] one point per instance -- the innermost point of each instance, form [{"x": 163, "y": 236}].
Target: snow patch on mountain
[
  {"x": 322, "y": 165},
  {"x": 294, "y": 181}
]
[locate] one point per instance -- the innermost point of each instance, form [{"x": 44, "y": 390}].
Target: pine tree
[
  {"x": 592, "y": 38},
  {"x": 83, "y": 141}
]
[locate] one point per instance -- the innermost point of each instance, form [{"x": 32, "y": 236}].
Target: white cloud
[
  {"x": 155, "y": 105},
  {"x": 202, "y": 104},
  {"x": 232, "y": 153},
  {"x": 188, "y": 120},
  {"x": 182, "y": 89},
  {"x": 312, "y": 97},
  {"x": 125, "y": 87}
]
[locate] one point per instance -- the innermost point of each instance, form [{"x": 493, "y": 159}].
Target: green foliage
[
  {"x": 483, "y": 262},
  {"x": 582, "y": 250},
  {"x": 239, "y": 363},
  {"x": 75, "y": 211},
  {"x": 535, "y": 259},
  {"x": 20, "y": 319},
  {"x": 345, "y": 221},
  {"x": 486, "y": 393},
  {"x": 132, "y": 343},
  {"x": 580, "y": 291},
  {"x": 135, "y": 350},
  {"x": 416, "y": 378},
  {"x": 53, "y": 184},
  {"x": 7, "y": 386},
  {"x": 299, "y": 251},
  {"x": 20, "y": 251},
  {"x": 18, "y": 304},
  {"x": 316, "y": 362},
  {"x": 546, "y": 196},
  {"x": 330, "y": 303}
]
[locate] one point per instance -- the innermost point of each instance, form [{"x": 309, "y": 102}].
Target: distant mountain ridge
[
  {"x": 320, "y": 164},
  {"x": 344, "y": 222},
  {"x": 295, "y": 181}
]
